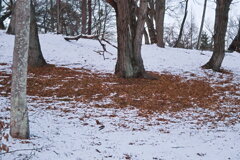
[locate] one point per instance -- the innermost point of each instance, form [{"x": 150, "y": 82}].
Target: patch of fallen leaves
[{"x": 169, "y": 93}]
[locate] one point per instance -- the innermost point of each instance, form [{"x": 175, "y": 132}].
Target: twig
[
  {"x": 18, "y": 150},
  {"x": 109, "y": 43}
]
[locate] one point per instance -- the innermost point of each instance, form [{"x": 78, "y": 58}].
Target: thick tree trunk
[
  {"x": 235, "y": 45},
  {"x": 201, "y": 27},
  {"x": 182, "y": 25},
  {"x": 84, "y": 16},
  {"x": 35, "y": 56},
  {"x": 220, "y": 28},
  {"x": 19, "y": 124},
  {"x": 130, "y": 32},
  {"x": 89, "y": 17},
  {"x": 160, "y": 14}
]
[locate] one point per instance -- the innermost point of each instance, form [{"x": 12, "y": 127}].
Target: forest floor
[{"x": 79, "y": 110}]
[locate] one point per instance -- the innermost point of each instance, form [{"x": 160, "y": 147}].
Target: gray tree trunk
[
  {"x": 84, "y": 16},
  {"x": 220, "y": 28},
  {"x": 146, "y": 37},
  {"x": 35, "y": 56},
  {"x": 160, "y": 14},
  {"x": 11, "y": 28},
  {"x": 201, "y": 27},
  {"x": 235, "y": 45},
  {"x": 89, "y": 17},
  {"x": 59, "y": 31},
  {"x": 182, "y": 25},
  {"x": 130, "y": 33},
  {"x": 19, "y": 123},
  {"x": 151, "y": 29},
  {"x": 52, "y": 16}
]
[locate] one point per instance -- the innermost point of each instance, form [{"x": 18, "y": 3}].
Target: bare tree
[
  {"x": 160, "y": 13},
  {"x": 235, "y": 45},
  {"x": 11, "y": 27},
  {"x": 59, "y": 31},
  {"x": 130, "y": 32},
  {"x": 182, "y": 25},
  {"x": 202, "y": 23},
  {"x": 19, "y": 125},
  {"x": 150, "y": 21},
  {"x": 84, "y": 15},
  {"x": 89, "y": 17},
  {"x": 35, "y": 56},
  {"x": 220, "y": 28}
]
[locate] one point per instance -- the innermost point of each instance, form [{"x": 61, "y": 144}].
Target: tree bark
[
  {"x": 182, "y": 25},
  {"x": 35, "y": 56},
  {"x": 235, "y": 45},
  {"x": 0, "y": 8},
  {"x": 89, "y": 17},
  {"x": 19, "y": 123},
  {"x": 201, "y": 27},
  {"x": 84, "y": 16},
  {"x": 151, "y": 29},
  {"x": 160, "y": 14},
  {"x": 146, "y": 37},
  {"x": 52, "y": 16},
  {"x": 220, "y": 28},
  {"x": 11, "y": 28},
  {"x": 3, "y": 18},
  {"x": 59, "y": 17},
  {"x": 130, "y": 32},
  {"x": 1, "y": 21}
]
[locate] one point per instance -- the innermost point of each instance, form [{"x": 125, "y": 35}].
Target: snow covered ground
[{"x": 87, "y": 133}]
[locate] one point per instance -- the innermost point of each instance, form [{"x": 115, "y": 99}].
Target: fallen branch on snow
[{"x": 96, "y": 37}]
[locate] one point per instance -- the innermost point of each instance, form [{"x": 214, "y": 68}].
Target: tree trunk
[
  {"x": 59, "y": 17},
  {"x": 182, "y": 25},
  {"x": 19, "y": 124},
  {"x": 201, "y": 27},
  {"x": 160, "y": 13},
  {"x": 3, "y": 18},
  {"x": 0, "y": 8},
  {"x": 146, "y": 37},
  {"x": 84, "y": 16},
  {"x": 130, "y": 32},
  {"x": 220, "y": 28},
  {"x": 52, "y": 16},
  {"x": 1, "y": 22},
  {"x": 235, "y": 45},
  {"x": 35, "y": 56},
  {"x": 11, "y": 27},
  {"x": 151, "y": 29},
  {"x": 89, "y": 17}
]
